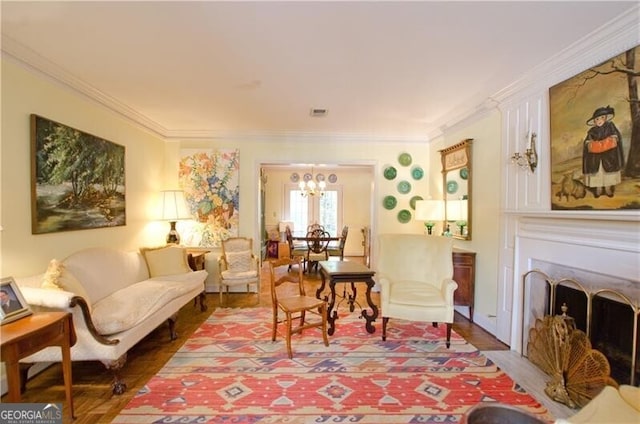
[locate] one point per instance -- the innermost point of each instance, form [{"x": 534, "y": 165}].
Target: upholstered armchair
[
  {"x": 238, "y": 266},
  {"x": 415, "y": 273}
]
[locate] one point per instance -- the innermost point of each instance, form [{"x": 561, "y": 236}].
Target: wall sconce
[
  {"x": 457, "y": 211},
  {"x": 174, "y": 208},
  {"x": 429, "y": 211},
  {"x": 528, "y": 160}
]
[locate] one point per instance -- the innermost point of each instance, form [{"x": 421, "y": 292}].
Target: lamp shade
[
  {"x": 174, "y": 207},
  {"x": 457, "y": 210},
  {"x": 429, "y": 210}
]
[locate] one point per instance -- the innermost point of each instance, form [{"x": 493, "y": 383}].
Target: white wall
[{"x": 24, "y": 93}]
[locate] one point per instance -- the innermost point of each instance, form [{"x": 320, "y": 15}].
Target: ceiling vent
[{"x": 317, "y": 112}]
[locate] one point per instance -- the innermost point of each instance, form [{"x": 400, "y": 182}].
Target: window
[{"x": 325, "y": 210}]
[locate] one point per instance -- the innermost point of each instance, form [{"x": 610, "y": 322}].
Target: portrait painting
[
  {"x": 595, "y": 137},
  {"x": 77, "y": 179}
]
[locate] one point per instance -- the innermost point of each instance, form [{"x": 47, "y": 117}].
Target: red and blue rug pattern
[{"x": 229, "y": 371}]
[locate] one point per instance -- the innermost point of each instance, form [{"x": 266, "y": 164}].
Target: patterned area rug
[{"x": 229, "y": 371}]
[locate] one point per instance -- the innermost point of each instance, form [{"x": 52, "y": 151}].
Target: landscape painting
[
  {"x": 77, "y": 179},
  {"x": 595, "y": 137},
  {"x": 211, "y": 183}
]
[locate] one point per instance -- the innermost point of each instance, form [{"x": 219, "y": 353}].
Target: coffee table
[{"x": 347, "y": 272}]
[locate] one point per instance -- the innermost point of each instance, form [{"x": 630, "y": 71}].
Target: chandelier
[{"x": 308, "y": 186}]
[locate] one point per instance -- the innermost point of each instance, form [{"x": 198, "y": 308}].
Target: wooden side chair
[
  {"x": 317, "y": 244},
  {"x": 288, "y": 296},
  {"x": 338, "y": 249},
  {"x": 238, "y": 266}
]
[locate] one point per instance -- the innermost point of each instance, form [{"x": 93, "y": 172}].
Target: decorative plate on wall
[
  {"x": 464, "y": 173},
  {"x": 389, "y": 202},
  {"x": 404, "y": 159},
  {"x": 390, "y": 172},
  {"x": 307, "y": 177},
  {"x": 413, "y": 201},
  {"x": 333, "y": 178},
  {"x": 294, "y": 177},
  {"x": 404, "y": 187},
  {"x": 319, "y": 177},
  {"x": 417, "y": 173},
  {"x": 404, "y": 216},
  {"x": 452, "y": 186}
]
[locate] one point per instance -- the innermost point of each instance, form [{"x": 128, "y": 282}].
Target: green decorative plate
[
  {"x": 404, "y": 216},
  {"x": 404, "y": 187},
  {"x": 464, "y": 173},
  {"x": 404, "y": 159},
  {"x": 413, "y": 201},
  {"x": 452, "y": 186},
  {"x": 417, "y": 173},
  {"x": 390, "y": 172},
  {"x": 389, "y": 202}
]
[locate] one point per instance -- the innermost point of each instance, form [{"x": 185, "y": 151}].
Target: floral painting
[
  {"x": 595, "y": 137},
  {"x": 210, "y": 180}
]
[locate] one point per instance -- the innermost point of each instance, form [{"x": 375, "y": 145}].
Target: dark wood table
[
  {"x": 347, "y": 272},
  {"x": 30, "y": 334}
]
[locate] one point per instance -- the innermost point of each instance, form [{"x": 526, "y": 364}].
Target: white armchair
[
  {"x": 415, "y": 273},
  {"x": 238, "y": 265}
]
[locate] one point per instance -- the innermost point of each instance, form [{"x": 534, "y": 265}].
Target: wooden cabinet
[
  {"x": 464, "y": 273},
  {"x": 197, "y": 262}
]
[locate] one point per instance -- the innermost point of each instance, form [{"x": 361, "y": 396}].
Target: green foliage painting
[{"x": 77, "y": 179}]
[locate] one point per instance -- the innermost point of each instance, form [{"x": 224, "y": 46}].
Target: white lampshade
[
  {"x": 429, "y": 210},
  {"x": 174, "y": 206},
  {"x": 457, "y": 210}
]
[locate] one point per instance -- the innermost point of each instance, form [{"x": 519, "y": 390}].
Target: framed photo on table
[{"x": 12, "y": 304}]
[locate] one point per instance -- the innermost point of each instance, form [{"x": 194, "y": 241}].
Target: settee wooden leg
[
  {"x": 118, "y": 386},
  {"x": 172, "y": 327},
  {"x": 449, "y": 325},
  {"x": 385, "y": 320},
  {"x": 203, "y": 304}
]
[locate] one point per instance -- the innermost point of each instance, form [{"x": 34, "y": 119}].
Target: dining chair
[
  {"x": 338, "y": 249},
  {"x": 288, "y": 296},
  {"x": 296, "y": 250},
  {"x": 317, "y": 243},
  {"x": 238, "y": 266},
  {"x": 415, "y": 273}
]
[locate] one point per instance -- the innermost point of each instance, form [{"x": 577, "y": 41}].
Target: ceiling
[{"x": 383, "y": 70}]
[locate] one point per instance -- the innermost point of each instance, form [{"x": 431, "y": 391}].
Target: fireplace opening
[{"x": 611, "y": 328}]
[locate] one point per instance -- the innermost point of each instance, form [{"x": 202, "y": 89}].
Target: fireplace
[{"x": 596, "y": 256}]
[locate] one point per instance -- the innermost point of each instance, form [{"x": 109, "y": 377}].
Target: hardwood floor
[{"x": 93, "y": 400}]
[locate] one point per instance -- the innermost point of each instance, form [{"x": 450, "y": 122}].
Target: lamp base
[{"x": 173, "y": 237}]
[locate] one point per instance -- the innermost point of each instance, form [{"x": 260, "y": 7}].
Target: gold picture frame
[{"x": 13, "y": 305}]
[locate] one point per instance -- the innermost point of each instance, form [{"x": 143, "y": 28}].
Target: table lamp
[
  {"x": 174, "y": 208},
  {"x": 429, "y": 211}
]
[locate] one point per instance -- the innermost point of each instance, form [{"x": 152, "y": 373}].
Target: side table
[
  {"x": 31, "y": 334},
  {"x": 196, "y": 259},
  {"x": 464, "y": 273}
]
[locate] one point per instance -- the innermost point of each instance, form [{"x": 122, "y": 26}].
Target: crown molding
[
  {"x": 611, "y": 39},
  {"x": 29, "y": 59},
  {"x": 36, "y": 63}
]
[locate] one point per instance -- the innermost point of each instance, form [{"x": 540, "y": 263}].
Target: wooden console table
[
  {"x": 464, "y": 273},
  {"x": 31, "y": 334}
]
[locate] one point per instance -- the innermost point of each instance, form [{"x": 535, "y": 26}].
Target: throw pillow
[
  {"x": 167, "y": 260},
  {"x": 58, "y": 278},
  {"x": 239, "y": 261}
]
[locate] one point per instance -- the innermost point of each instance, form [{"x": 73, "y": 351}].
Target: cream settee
[{"x": 116, "y": 299}]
